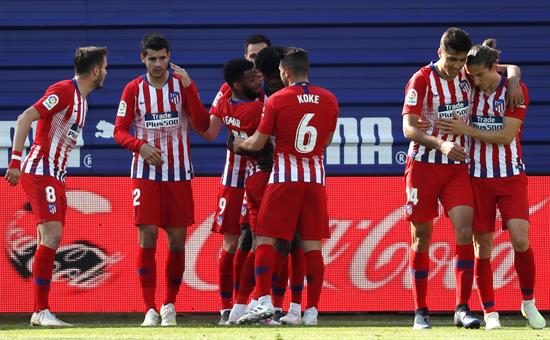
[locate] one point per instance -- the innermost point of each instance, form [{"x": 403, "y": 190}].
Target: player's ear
[{"x": 142, "y": 56}]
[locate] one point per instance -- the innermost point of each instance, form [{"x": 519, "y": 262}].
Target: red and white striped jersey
[
  {"x": 234, "y": 171},
  {"x": 241, "y": 119},
  {"x": 489, "y": 160},
  {"x": 159, "y": 117},
  {"x": 301, "y": 117},
  {"x": 432, "y": 97},
  {"x": 63, "y": 112}
]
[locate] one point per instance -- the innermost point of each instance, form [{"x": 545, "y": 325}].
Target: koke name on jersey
[
  {"x": 487, "y": 122},
  {"x": 461, "y": 109},
  {"x": 161, "y": 120},
  {"x": 308, "y": 98}
]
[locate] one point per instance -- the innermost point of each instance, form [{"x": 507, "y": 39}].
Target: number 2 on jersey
[
  {"x": 304, "y": 130},
  {"x": 137, "y": 194}
]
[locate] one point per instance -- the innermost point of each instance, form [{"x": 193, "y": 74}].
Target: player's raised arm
[{"x": 193, "y": 104}]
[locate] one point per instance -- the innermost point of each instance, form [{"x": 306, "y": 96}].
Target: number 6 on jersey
[{"x": 304, "y": 130}]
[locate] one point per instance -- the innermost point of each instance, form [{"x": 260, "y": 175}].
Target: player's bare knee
[
  {"x": 282, "y": 247},
  {"x": 296, "y": 242},
  {"x": 245, "y": 240},
  {"x": 147, "y": 237},
  {"x": 51, "y": 240},
  {"x": 483, "y": 245},
  {"x": 520, "y": 243},
  {"x": 463, "y": 234},
  {"x": 176, "y": 247},
  {"x": 421, "y": 243},
  {"x": 230, "y": 243}
]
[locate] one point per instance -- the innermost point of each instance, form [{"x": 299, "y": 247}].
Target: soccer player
[
  {"x": 498, "y": 179},
  {"x": 237, "y": 237},
  {"x": 254, "y": 44},
  {"x": 160, "y": 105},
  {"x": 302, "y": 118},
  {"x": 436, "y": 169},
  {"x": 61, "y": 113}
]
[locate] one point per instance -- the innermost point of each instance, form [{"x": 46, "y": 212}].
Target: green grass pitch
[{"x": 367, "y": 326}]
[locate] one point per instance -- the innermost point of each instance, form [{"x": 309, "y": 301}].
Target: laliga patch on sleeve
[
  {"x": 121, "y": 109},
  {"x": 51, "y": 101},
  {"x": 411, "y": 98}
]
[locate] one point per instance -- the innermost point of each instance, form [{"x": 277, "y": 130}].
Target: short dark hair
[
  {"x": 154, "y": 41},
  {"x": 256, "y": 39},
  {"x": 268, "y": 60},
  {"x": 456, "y": 39},
  {"x": 234, "y": 70},
  {"x": 85, "y": 58},
  {"x": 485, "y": 54},
  {"x": 296, "y": 59}
]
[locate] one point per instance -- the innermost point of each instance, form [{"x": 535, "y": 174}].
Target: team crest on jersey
[
  {"x": 121, "y": 109},
  {"x": 219, "y": 220},
  {"x": 51, "y": 101},
  {"x": 499, "y": 106},
  {"x": 174, "y": 97},
  {"x": 465, "y": 86},
  {"x": 52, "y": 209},
  {"x": 411, "y": 98}
]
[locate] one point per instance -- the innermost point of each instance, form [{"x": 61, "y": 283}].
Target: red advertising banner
[{"x": 366, "y": 257}]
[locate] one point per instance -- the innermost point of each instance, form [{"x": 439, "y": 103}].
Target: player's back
[{"x": 302, "y": 117}]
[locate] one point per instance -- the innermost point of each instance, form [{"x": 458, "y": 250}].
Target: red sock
[
  {"x": 464, "y": 273},
  {"x": 315, "y": 268},
  {"x": 175, "y": 266},
  {"x": 484, "y": 280},
  {"x": 42, "y": 270},
  {"x": 238, "y": 261},
  {"x": 247, "y": 280},
  {"x": 263, "y": 269},
  {"x": 225, "y": 279},
  {"x": 526, "y": 270},
  {"x": 419, "y": 265},
  {"x": 147, "y": 271},
  {"x": 297, "y": 260},
  {"x": 280, "y": 281}
]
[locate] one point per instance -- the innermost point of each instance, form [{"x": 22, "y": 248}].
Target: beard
[
  {"x": 250, "y": 93},
  {"x": 98, "y": 84}
]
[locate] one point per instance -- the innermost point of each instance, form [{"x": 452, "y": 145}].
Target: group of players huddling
[{"x": 272, "y": 203}]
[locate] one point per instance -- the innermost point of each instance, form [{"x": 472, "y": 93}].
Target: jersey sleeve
[
  {"x": 521, "y": 110},
  {"x": 224, "y": 91},
  {"x": 267, "y": 121},
  {"x": 124, "y": 119},
  {"x": 193, "y": 105},
  {"x": 415, "y": 91},
  {"x": 335, "y": 110},
  {"x": 56, "y": 98}
]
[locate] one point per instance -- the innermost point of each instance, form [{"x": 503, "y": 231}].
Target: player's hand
[
  {"x": 182, "y": 73},
  {"x": 514, "y": 94},
  {"x": 151, "y": 154},
  {"x": 424, "y": 125},
  {"x": 236, "y": 144},
  {"x": 453, "y": 151},
  {"x": 455, "y": 126},
  {"x": 229, "y": 141},
  {"x": 12, "y": 176},
  {"x": 265, "y": 160}
]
